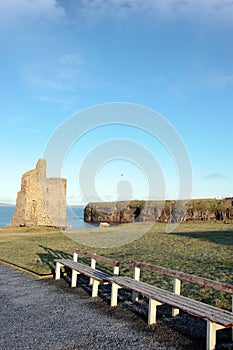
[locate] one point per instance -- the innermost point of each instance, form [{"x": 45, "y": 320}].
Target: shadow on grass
[
  {"x": 50, "y": 255},
  {"x": 217, "y": 237}
]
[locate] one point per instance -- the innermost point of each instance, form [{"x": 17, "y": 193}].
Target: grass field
[{"x": 201, "y": 248}]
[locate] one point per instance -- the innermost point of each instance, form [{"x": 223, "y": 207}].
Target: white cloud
[
  {"x": 187, "y": 8},
  {"x": 223, "y": 80},
  {"x": 40, "y": 80},
  {"x": 214, "y": 176},
  {"x": 17, "y": 11},
  {"x": 54, "y": 74},
  {"x": 71, "y": 59},
  {"x": 13, "y": 12}
]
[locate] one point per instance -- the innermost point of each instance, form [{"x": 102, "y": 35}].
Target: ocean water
[
  {"x": 6, "y": 214},
  {"x": 74, "y": 214},
  {"x": 74, "y": 217}
]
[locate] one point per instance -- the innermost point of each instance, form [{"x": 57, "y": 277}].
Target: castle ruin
[{"x": 41, "y": 201}]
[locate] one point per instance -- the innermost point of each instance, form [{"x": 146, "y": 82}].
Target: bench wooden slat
[
  {"x": 98, "y": 257},
  {"x": 84, "y": 269},
  {"x": 206, "y": 282},
  {"x": 194, "y": 307}
]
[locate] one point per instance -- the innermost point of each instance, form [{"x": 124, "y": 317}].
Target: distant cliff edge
[{"x": 152, "y": 211}]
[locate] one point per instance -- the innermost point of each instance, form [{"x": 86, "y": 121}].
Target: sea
[{"x": 74, "y": 216}]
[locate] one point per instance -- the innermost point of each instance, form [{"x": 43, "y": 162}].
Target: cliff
[
  {"x": 41, "y": 201},
  {"x": 133, "y": 211}
]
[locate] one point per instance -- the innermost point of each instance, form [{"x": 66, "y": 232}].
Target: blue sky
[{"x": 174, "y": 57}]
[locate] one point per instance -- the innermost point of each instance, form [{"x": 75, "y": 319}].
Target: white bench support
[
  {"x": 74, "y": 273},
  {"x": 116, "y": 270},
  {"x": 91, "y": 281},
  {"x": 93, "y": 265},
  {"x": 95, "y": 283},
  {"x": 114, "y": 294},
  {"x": 152, "y": 310},
  {"x": 137, "y": 278},
  {"x": 74, "y": 278},
  {"x": 95, "y": 286},
  {"x": 176, "y": 289},
  {"x": 211, "y": 335},
  {"x": 58, "y": 271},
  {"x": 75, "y": 257}
]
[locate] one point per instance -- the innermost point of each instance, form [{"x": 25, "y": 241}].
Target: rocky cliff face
[{"x": 125, "y": 212}]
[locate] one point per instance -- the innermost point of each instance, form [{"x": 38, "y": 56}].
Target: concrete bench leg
[
  {"x": 74, "y": 278},
  {"x": 93, "y": 265},
  {"x": 176, "y": 289},
  {"x": 116, "y": 270},
  {"x": 152, "y": 309},
  {"x": 114, "y": 294},
  {"x": 58, "y": 271},
  {"x": 211, "y": 335},
  {"x": 137, "y": 278},
  {"x": 95, "y": 286}
]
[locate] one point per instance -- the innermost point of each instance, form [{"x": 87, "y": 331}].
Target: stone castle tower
[{"x": 41, "y": 201}]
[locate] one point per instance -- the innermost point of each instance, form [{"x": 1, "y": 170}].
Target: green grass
[
  {"x": 26, "y": 229},
  {"x": 200, "y": 248},
  {"x": 34, "y": 251}
]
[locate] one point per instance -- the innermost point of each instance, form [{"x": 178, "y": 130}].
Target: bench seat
[
  {"x": 78, "y": 268},
  {"x": 216, "y": 318}
]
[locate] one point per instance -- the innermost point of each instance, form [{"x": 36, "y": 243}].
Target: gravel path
[{"x": 48, "y": 314}]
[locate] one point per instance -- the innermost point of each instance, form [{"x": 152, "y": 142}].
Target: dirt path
[{"x": 47, "y": 314}]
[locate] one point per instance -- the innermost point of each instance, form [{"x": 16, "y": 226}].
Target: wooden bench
[
  {"x": 178, "y": 277},
  {"x": 216, "y": 318},
  {"x": 96, "y": 276}
]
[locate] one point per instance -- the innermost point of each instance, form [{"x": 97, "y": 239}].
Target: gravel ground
[{"x": 48, "y": 314}]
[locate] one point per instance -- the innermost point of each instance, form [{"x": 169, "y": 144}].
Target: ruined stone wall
[{"x": 41, "y": 201}]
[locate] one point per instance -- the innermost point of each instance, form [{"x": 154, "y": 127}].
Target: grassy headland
[{"x": 201, "y": 248}]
